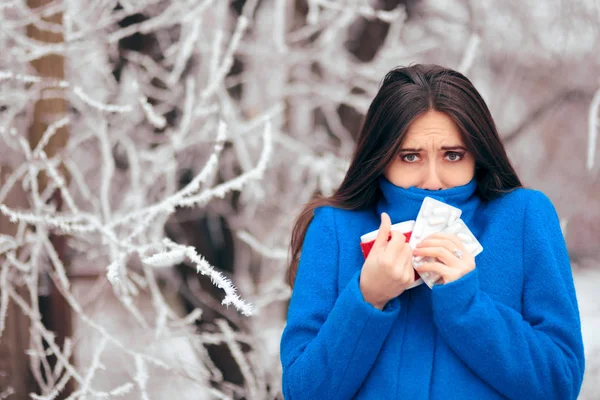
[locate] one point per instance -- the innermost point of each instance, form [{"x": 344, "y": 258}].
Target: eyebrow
[{"x": 445, "y": 148}]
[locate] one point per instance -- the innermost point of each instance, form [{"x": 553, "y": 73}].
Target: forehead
[{"x": 433, "y": 125}]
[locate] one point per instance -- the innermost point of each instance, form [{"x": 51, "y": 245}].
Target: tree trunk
[
  {"x": 16, "y": 380},
  {"x": 56, "y": 313}
]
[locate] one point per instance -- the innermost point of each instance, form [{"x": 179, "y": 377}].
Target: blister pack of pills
[
  {"x": 436, "y": 216},
  {"x": 462, "y": 231}
]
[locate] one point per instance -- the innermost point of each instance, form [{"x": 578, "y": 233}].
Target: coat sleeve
[
  {"x": 331, "y": 339},
  {"x": 534, "y": 355}
]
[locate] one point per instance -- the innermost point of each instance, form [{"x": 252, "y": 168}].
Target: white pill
[
  {"x": 453, "y": 228},
  {"x": 436, "y": 220},
  {"x": 471, "y": 247},
  {"x": 427, "y": 210},
  {"x": 440, "y": 211},
  {"x": 418, "y": 231},
  {"x": 453, "y": 217},
  {"x": 464, "y": 237}
]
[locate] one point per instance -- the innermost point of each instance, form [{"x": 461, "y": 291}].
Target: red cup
[{"x": 368, "y": 239}]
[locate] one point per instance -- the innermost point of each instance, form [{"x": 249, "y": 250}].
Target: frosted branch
[
  {"x": 470, "y": 54},
  {"x": 276, "y": 254},
  {"x": 593, "y": 118},
  {"x": 227, "y": 61},
  {"x": 204, "y": 268},
  {"x": 364, "y": 11},
  {"x": 253, "y": 390}
]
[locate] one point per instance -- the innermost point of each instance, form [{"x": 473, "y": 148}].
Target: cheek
[
  {"x": 459, "y": 174},
  {"x": 401, "y": 174}
]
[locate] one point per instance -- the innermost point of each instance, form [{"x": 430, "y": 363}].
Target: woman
[{"x": 502, "y": 325}]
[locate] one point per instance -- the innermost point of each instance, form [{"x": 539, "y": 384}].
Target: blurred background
[{"x": 154, "y": 155}]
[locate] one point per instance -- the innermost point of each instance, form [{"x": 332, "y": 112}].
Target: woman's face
[{"x": 432, "y": 156}]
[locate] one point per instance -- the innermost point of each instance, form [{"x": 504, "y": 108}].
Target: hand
[
  {"x": 444, "y": 247},
  {"x": 388, "y": 270}
]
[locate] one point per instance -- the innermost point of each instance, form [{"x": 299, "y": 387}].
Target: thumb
[{"x": 384, "y": 231}]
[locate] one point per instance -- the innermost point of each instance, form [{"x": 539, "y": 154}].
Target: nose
[{"x": 432, "y": 180}]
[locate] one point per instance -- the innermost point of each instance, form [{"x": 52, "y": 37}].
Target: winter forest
[{"x": 155, "y": 153}]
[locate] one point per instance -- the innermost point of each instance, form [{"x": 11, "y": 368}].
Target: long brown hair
[{"x": 405, "y": 94}]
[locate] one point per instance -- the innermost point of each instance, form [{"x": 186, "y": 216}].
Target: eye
[
  {"x": 454, "y": 156},
  {"x": 410, "y": 158}
]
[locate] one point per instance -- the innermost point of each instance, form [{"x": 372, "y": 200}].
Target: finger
[
  {"x": 425, "y": 247},
  {"x": 407, "y": 250},
  {"x": 446, "y": 243},
  {"x": 448, "y": 257},
  {"x": 439, "y": 252},
  {"x": 436, "y": 242},
  {"x": 407, "y": 256},
  {"x": 384, "y": 231},
  {"x": 402, "y": 264},
  {"x": 434, "y": 267},
  {"x": 451, "y": 239},
  {"x": 403, "y": 252},
  {"x": 397, "y": 243}
]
